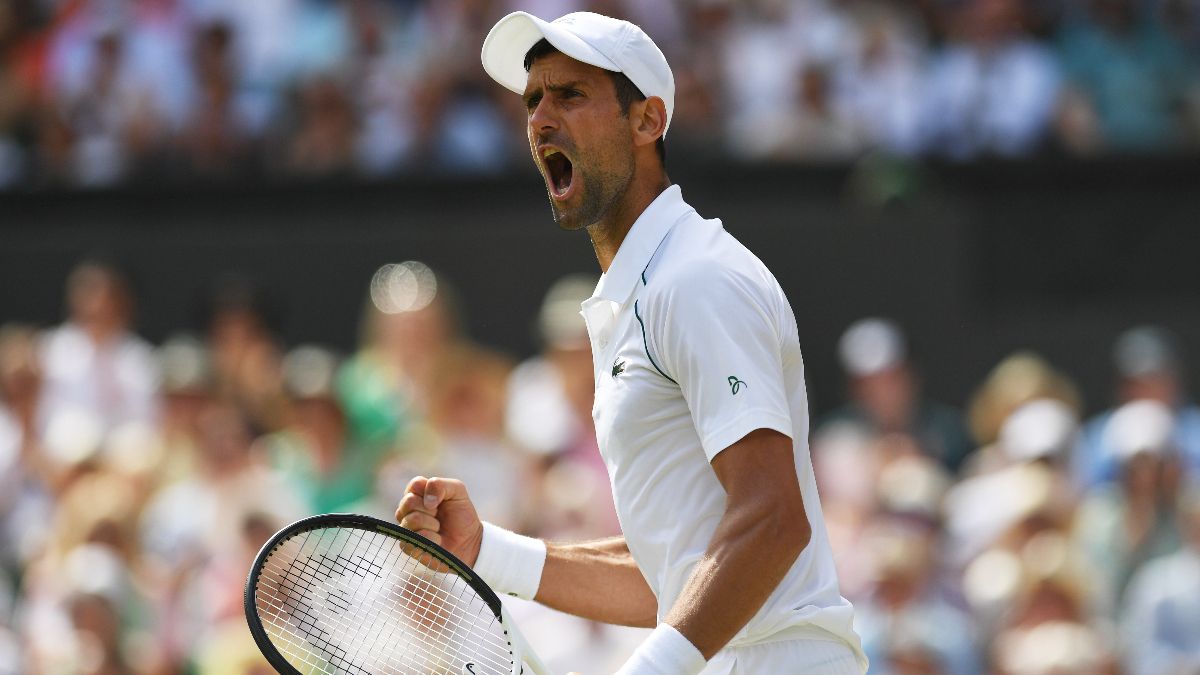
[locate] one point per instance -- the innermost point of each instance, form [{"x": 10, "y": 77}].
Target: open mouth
[{"x": 558, "y": 172}]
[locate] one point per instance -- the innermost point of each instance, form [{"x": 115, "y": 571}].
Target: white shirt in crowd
[{"x": 108, "y": 385}]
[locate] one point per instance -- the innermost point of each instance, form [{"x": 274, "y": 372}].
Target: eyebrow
[{"x": 537, "y": 93}]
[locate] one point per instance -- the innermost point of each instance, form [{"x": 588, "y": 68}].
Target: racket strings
[
  {"x": 424, "y": 611},
  {"x": 346, "y": 600}
]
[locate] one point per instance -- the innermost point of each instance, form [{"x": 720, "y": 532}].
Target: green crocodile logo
[{"x": 618, "y": 368}]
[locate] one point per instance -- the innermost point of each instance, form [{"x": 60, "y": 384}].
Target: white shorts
[{"x": 824, "y": 657}]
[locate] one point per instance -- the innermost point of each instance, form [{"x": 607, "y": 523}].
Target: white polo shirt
[{"x": 694, "y": 346}]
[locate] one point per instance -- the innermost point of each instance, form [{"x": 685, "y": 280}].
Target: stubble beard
[{"x": 600, "y": 192}]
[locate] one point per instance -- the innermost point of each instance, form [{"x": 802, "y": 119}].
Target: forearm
[
  {"x": 597, "y": 580},
  {"x": 750, "y": 553}
]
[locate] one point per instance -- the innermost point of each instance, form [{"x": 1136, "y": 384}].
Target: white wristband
[
  {"x": 665, "y": 652},
  {"x": 510, "y": 563}
]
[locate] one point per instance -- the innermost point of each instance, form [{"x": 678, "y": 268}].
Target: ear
[{"x": 648, "y": 120}]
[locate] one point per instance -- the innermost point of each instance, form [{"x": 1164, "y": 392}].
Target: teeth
[{"x": 549, "y": 152}]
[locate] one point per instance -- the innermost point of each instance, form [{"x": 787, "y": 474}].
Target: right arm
[{"x": 595, "y": 580}]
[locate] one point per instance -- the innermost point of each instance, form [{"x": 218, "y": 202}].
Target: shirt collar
[{"x": 640, "y": 243}]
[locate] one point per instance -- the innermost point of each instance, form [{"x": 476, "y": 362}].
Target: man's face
[{"x": 580, "y": 139}]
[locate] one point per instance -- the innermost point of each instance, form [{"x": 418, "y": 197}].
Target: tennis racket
[{"x": 343, "y": 593}]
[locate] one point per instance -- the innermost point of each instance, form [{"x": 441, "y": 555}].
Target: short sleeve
[{"x": 717, "y": 333}]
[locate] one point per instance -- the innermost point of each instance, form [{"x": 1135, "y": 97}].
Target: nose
[{"x": 542, "y": 118}]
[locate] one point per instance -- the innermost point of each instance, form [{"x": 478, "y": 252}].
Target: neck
[
  {"x": 608, "y": 233},
  {"x": 101, "y": 332}
]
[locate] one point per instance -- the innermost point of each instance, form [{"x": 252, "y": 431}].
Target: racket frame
[{"x": 521, "y": 650}]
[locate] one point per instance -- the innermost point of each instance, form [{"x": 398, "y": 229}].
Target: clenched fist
[{"x": 440, "y": 510}]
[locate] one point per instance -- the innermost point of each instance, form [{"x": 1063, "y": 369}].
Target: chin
[{"x": 566, "y": 221}]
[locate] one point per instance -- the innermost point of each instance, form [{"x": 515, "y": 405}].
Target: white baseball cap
[
  {"x": 1040, "y": 428},
  {"x": 1137, "y": 427},
  {"x": 595, "y": 39},
  {"x": 871, "y": 346}
]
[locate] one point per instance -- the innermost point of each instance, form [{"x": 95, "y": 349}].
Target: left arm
[{"x": 761, "y": 534}]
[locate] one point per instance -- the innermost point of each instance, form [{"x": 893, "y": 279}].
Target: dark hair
[{"x": 627, "y": 91}]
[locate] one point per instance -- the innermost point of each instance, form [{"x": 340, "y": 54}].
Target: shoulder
[
  {"x": 1188, "y": 415},
  {"x": 66, "y": 337},
  {"x": 701, "y": 262},
  {"x": 1161, "y": 578},
  {"x": 134, "y": 346}
]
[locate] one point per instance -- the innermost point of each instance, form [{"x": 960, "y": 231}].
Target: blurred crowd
[
  {"x": 104, "y": 92},
  {"x": 137, "y": 482}
]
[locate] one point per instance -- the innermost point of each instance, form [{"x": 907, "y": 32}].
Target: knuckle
[{"x": 411, "y": 503}]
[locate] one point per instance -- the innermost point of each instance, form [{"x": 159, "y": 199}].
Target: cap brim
[{"x": 511, "y": 38}]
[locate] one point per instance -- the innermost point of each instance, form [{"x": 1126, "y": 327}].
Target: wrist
[
  {"x": 510, "y": 563},
  {"x": 665, "y": 652}
]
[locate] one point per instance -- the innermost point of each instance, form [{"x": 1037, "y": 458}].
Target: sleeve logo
[{"x": 735, "y": 384}]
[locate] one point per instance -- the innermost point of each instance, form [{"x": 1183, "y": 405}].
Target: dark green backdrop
[{"x": 975, "y": 261}]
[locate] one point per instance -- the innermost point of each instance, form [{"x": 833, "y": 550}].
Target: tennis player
[{"x": 701, "y": 412}]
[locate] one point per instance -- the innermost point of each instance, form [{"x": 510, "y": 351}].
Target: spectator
[
  {"x": 80, "y": 592},
  {"x": 315, "y": 452},
  {"x": 1019, "y": 378},
  {"x": 905, "y": 618},
  {"x": 187, "y": 389},
  {"x": 550, "y": 394},
  {"x": 472, "y": 133},
  {"x": 1121, "y": 526},
  {"x": 118, "y": 80},
  {"x": 371, "y": 389},
  {"x": 1049, "y": 630},
  {"x": 216, "y": 136},
  {"x": 409, "y": 327},
  {"x": 1162, "y": 618},
  {"x": 413, "y": 323},
  {"x": 912, "y": 614},
  {"x": 241, "y": 324},
  {"x": 26, "y": 502},
  {"x": 847, "y": 463},
  {"x": 550, "y": 414},
  {"x": 885, "y": 393},
  {"x": 1149, "y": 366},
  {"x": 466, "y": 418},
  {"x": 225, "y": 647},
  {"x": 97, "y": 372},
  {"x": 1042, "y": 430},
  {"x": 323, "y": 142},
  {"x": 778, "y": 85},
  {"x": 186, "y": 522},
  {"x": 881, "y": 82},
  {"x": 1003, "y": 510},
  {"x": 385, "y": 69},
  {"x": 20, "y": 385},
  {"x": 992, "y": 90},
  {"x": 14, "y": 109},
  {"x": 1128, "y": 79}
]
